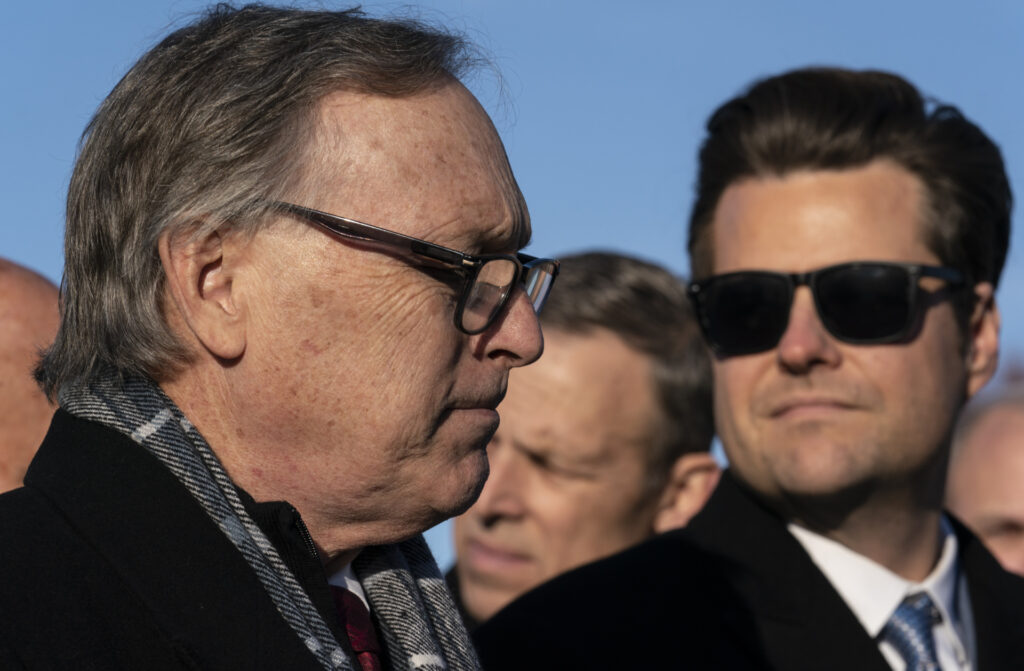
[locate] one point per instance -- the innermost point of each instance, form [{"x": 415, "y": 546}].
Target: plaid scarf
[{"x": 419, "y": 623}]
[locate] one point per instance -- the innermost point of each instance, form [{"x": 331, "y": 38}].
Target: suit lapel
[
  {"x": 801, "y": 620},
  {"x": 997, "y": 605}
]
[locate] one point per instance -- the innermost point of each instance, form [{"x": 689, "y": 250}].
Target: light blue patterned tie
[{"x": 909, "y": 630}]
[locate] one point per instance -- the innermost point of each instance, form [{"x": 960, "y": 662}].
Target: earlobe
[
  {"x": 200, "y": 289},
  {"x": 690, "y": 484},
  {"x": 983, "y": 334}
]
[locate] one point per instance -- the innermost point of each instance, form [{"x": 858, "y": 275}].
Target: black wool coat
[
  {"x": 106, "y": 562},
  {"x": 734, "y": 590}
]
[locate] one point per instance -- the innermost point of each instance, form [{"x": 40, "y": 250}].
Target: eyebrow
[
  {"x": 512, "y": 240},
  {"x": 550, "y": 455}
]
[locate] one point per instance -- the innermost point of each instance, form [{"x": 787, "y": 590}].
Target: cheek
[
  {"x": 412, "y": 324},
  {"x": 397, "y": 333},
  {"x": 601, "y": 520},
  {"x": 923, "y": 385},
  {"x": 734, "y": 381}
]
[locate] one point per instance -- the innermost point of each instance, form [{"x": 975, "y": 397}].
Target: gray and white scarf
[{"x": 419, "y": 623}]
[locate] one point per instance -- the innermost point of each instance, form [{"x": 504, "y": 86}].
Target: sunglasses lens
[
  {"x": 865, "y": 302},
  {"x": 743, "y": 313}
]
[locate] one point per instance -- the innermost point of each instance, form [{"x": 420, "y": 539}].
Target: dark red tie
[{"x": 361, "y": 633}]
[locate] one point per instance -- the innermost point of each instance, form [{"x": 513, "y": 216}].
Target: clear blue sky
[{"x": 603, "y": 106}]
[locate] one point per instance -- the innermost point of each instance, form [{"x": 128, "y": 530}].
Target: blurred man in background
[
  {"x": 986, "y": 475},
  {"x": 28, "y": 323},
  {"x": 602, "y": 443}
]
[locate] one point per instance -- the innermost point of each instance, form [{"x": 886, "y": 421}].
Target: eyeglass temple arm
[{"x": 369, "y": 233}]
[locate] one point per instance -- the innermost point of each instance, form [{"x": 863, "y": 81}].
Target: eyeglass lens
[
  {"x": 748, "y": 312},
  {"x": 492, "y": 287},
  {"x": 487, "y": 293}
]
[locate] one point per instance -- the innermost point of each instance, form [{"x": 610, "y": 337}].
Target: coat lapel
[
  {"x": 801, "y": 621},
  {"x": 997, "y": 605}
]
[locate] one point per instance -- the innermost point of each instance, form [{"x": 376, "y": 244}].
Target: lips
[
  {"x": 486, "y": 558},
  {"x": 483, "y": 401},
  {"x": 808, "y": 405}
]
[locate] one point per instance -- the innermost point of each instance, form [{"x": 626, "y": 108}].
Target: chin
[
  {"x": 458, "y": 489},
  {"x": 475, "y": 481}
]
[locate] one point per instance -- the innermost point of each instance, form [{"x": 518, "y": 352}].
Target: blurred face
[
  {"x": 373, "y": 411},
  {"x": 28, "y": 312},
  {"x": 568, "y": 479},
  {"x": 985, "y": 479},
  {"x": 815, "y": 416}
]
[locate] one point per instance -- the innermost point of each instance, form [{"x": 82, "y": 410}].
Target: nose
[
  {"x": 515, "y": 337},
  {"x": 501, "y": 498},
  {"x": 806, "y": 343}
]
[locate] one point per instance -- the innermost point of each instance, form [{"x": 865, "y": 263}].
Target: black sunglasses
[
  {"x": 861, "y": 302},
  {"x": 488, "y": 280}
]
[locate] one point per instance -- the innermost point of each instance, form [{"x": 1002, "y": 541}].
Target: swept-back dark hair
[{"x": 831, "y": 118}]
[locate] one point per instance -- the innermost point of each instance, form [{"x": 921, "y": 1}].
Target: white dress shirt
[
  {"x": 346, "y": 577},
  {"x": 873, "y": 593}
]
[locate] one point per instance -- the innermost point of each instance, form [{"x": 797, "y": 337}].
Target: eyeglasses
[
  {"x": 488, "y": 280},
  {"x": 861, "y": 303}
]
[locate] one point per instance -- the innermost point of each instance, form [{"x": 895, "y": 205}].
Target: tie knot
[
  {"x": 919, "y": 606},
  {"x": 909, "y": 631}
]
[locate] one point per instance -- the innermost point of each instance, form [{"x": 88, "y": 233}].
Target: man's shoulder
[
  {"x": 626, "y": 610},
  {"x": 64, "y": 603},
  {"x": 633, "y": 609},
  {"x": 108, "y": 562}
]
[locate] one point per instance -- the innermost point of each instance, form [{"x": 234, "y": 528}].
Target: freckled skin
[{"x": 356, "y": 395}]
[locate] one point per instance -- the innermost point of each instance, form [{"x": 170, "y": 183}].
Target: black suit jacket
[
  {"x": 106, "y": 562},
  {"x": 734, "y": 590}
]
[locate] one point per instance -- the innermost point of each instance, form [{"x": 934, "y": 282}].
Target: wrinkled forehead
[{"x": 429, "y": 165}]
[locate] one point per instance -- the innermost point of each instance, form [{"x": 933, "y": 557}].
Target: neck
[
  {"x": 907, "y": 544},
  {"x": 208, "y": 404},
  {"x": 898, "y": 527}
]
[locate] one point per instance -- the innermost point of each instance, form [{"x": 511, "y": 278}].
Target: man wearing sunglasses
[
  {"x": 846, "y": 242},
  {"x": 293, "y": 295}
]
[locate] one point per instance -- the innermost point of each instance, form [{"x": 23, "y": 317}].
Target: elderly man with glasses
[
  {"x": 262, "y": 405},
  {"x": 846, "y": 242}
]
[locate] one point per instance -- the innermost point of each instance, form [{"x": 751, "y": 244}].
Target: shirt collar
[
  {"x": 872, "y": 591},
  {"x": 346, "y": 578}
]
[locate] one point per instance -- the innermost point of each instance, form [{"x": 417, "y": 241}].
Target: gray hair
[
  {"x": 205, "y": 130},
  {"x": 647, "y": 307}
]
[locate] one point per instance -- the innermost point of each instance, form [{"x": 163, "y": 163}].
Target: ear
[
  {"x": 983, "y": 339},
  {"x": 690, "y": 483},
  {"x": 199, "y": 270}
]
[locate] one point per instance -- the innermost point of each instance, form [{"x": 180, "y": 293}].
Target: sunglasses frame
[{"x": 698, "y": 291}]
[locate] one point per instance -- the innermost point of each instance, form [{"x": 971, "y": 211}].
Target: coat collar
[
  {"x": 801, "y": 620},
  {"x": 804, "y": 623}
]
